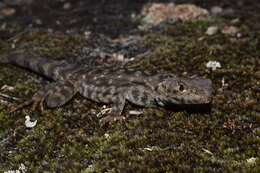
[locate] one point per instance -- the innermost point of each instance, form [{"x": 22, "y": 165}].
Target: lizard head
[{"x": 179, "y": 90}]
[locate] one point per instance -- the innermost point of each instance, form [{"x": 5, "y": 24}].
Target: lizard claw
[{"x": 36, "y": 103}]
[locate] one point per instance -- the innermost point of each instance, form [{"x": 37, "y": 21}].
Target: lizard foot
[
  {"x": 36, "y": 101},
  {"x": 20, "y": 106},
  {"x": 54, "y": 95}
]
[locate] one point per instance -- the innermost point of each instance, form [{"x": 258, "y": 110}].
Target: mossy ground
[{"x": 70, "y": 139}]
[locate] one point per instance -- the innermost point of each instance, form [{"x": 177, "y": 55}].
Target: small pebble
[
  {"x": 87, "y": 34},
  {"x": 212, "y": 30},
  {"x": 235, "y": 21},
  {"x": 230, "y": 30},
  {"x": 216, "y": 10},
  {"x": 213, "y": 65},
  {"x": 7, "y": 88},
  {"x": 38, "y": 21},
  {"x": 118, "y": 57},
  {"x": 106, "y": 135},
  {"x": 251, "y": 160},
  {"x": 8, "y": 11},
  {"x": 50, "y": 30},
  {"x": 134, "y": 112},
  {"x": 66, "y": 6}
]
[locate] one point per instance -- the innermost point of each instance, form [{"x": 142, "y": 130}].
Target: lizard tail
[{"x": 40, "y": 65}]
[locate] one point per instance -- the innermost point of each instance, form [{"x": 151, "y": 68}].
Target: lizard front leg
[
  {"x": 54, "y": 95},
  {"x": 137, "y": 95},
  {"x": 117, "y": 109}
]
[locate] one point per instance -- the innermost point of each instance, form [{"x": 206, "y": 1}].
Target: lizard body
[{"x": 110, "y": 86}]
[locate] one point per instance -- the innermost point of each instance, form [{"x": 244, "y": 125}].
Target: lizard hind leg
[
  {"x": 54, "y": 95},
  {"x": 60, "y": 94}
]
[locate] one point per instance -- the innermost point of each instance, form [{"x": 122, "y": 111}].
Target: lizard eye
[{"x": 181, "y": 88}]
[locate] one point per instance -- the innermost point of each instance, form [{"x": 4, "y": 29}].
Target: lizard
[{"x": 108, "y": 85}]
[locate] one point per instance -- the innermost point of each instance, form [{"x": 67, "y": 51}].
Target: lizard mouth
[
  {"x": 163, "y": 102},
  {"x": 200, "y": 101}
]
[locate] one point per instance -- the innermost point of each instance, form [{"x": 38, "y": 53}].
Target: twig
[
  {"x": 9, "y": 97},
  {"x": 18, "y": 34},
  {"x": 104, "y": 111}
]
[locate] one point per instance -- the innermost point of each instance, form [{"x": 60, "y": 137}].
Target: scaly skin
[{"x": 110, "y": 86}]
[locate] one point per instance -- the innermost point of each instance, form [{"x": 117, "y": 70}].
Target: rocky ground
[{"x": 150, "y": 35}]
